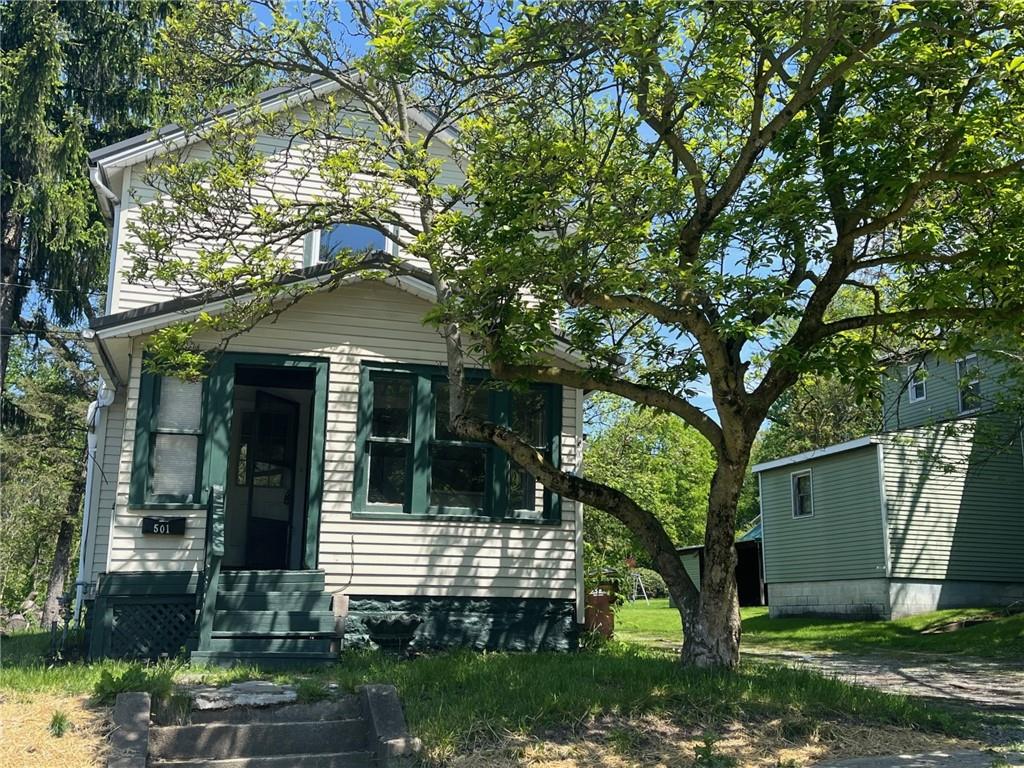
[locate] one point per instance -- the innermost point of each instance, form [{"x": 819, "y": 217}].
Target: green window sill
[
  {"x": 442, "y": 517},
  {"x": 167, "y": 505}
]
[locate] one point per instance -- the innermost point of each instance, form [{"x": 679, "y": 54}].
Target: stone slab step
[
  {"x": 299, "y": 660},
  {"x": 259, "y": 581},
  {"x": 358, "y": 759},
  {"x": 220, "y": 741},
  {"x": 273, "y": 601},
  {"x": 273, "y": 622},
  {"x": 345, "y": 708}
]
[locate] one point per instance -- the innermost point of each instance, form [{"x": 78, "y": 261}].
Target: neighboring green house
[{"x": 927, "y": 514}]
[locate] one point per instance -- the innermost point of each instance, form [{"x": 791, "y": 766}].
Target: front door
[{"x": 266, "y": 479}]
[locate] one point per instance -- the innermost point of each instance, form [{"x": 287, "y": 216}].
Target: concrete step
[
  {"x": 282, "y": 643},
  {"x": 264, "y": 581},
  {"x": 273, "y": 622},
  {"x": 272, "y": 660},
  {"x": 221, "y": 741},
  {"x": 345, "y": 708},
  {"x": 357, "y": 759},
  {"x": 274, "y": 601}
]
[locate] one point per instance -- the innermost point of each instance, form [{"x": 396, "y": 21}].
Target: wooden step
[
  {"x": 273, "y": 601},
  {"x": 273, "y": 660},
  {"x": 272, "y": 622},
  {"x": 301, "y": 643},
  {"x": 272, "y": 581}
]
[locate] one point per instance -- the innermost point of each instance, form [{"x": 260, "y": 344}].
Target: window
[
  {"x": 803, "y": 501},
  {"x": 969, "y": 383},
  {"x": 168, "y": 442},
  {"x": 327, "y": 243},
  {"x": 916, "y": 387},
  {"x": 408, "y": 460}
]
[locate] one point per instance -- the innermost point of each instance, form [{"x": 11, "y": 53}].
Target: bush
[
  {"x": 157, "y": 680},
  {"x": 653, "y": 583}
]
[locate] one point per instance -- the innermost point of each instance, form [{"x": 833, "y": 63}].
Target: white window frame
[
  {"x": 311, "y": 244},
  {"x": 913, "y": 371},
  {"x": 792, "y": 492},
  {"x": 967, "y": 362}
]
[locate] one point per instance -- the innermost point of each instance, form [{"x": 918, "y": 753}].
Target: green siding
[
  {"x": 941, "y": 401},
  {"x": 843, "y": 538},
  {"x": 691, "y": 562},
  {"x": 956, "y": 500}
]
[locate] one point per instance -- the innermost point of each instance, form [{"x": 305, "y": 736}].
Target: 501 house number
[{"x": 164, "y": 526}]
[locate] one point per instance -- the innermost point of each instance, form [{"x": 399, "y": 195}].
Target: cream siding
[
  {"x": 372, "y": 321},
  {"x": 108, "y": 450},
  {"x": 843, "y": 538},
  {"x": 956, "y": 500}
]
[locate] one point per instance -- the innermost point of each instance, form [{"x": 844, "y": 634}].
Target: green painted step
[
  {"x": 272, "y": 581},
  {"x": 269, "y": 644},
  {"x": 273, "y": 601},
  {"x": 273, "y": 622},
  {"x": 265, "y": 660}
]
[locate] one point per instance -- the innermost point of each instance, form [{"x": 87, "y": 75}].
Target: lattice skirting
[{"x": 142, "y": 615}]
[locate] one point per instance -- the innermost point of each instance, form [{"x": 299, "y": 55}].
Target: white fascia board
[
  {"x": 179, "y": 138},
  {"x": 849, "y": 445}
]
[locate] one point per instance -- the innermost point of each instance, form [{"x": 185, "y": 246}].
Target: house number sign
[{"x": 164, "y": 526}]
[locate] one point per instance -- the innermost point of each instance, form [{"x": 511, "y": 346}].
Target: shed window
[
  {"x": 803, "y": 502},
  {"x": 917, "y": 387},
  {"x": 969, "y": 383},
  {"x": 168, "y": 441},
  {"x": 410, "y": 462}
]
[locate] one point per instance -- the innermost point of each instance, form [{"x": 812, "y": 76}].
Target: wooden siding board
[
  {"x": 373, "y": 556},
  {"x": 843, "y": 538},
  {"x": 956, "y": 501}
]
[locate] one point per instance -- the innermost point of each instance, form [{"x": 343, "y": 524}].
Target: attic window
[
  {"x": 328, "y": 243},
  {"x": 917, "y": 388}
]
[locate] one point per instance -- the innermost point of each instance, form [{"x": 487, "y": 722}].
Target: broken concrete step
[
  {"x": 344, "y": 708},
  {"x": 359, "y": 759},
  {"x": 220, "y": 741}
]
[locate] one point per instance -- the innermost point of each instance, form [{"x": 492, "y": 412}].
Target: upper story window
[
  {"x": 916, "y": 385},
  {"x": 325, "y": 244},
  {"x": 968, "y": 377},
  {"x": 803, "y": 498}
]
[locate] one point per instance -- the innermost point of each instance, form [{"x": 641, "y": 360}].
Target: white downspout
[{"x": 104, "y": 398}]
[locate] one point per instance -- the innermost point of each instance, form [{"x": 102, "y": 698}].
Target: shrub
[
  {"x": 653, "y": 583},
  {"x": 156, "y": 680}
]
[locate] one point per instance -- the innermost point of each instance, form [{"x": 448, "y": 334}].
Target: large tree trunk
[
  {"x": 712, "y": 637},
  {"x": 61, "y": 566},
  {"x": 11, "y": 294}
]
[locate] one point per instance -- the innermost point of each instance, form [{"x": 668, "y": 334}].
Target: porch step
[
  {"x": 284, "y": 643},
  {"x": 272, "y": 622},
  {"x": 221, "y": 741},
  {"x": 360, "y": 759},
  {"x": 265, "y": 660},
  {"x": 273, "y": 601},
  {"x": 272, "y": 581}
]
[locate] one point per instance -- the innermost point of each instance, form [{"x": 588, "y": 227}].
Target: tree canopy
[{"x": 686, "y": 187}]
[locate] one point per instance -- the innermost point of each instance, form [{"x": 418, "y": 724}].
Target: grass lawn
[
  {"x": 460, "y": 700},
  {"x": 657, "y": 623}
]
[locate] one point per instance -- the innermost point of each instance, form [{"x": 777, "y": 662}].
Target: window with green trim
[
  {"x": 409, "y": 462},
  {"x": 167, "y": 465}
]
